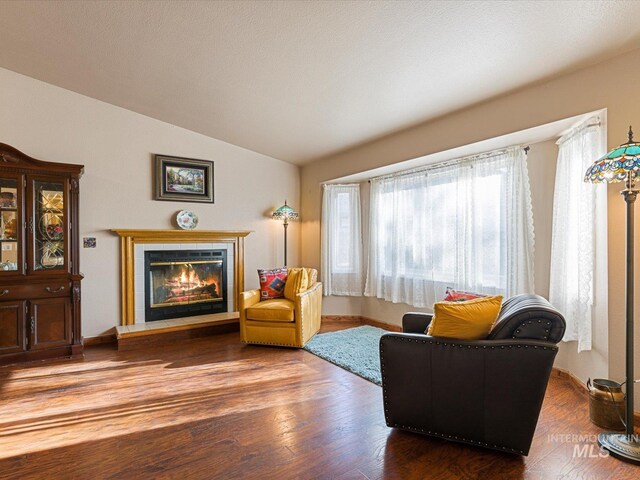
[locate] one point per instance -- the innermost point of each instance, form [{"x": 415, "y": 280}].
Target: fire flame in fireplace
[
  {"x": 189, "y": 280},
  {"x": 192, "y": 280},
  {"x": 187, "y": 286}
]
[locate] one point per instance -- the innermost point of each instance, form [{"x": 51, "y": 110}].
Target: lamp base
[{"x": 620, "y": 446}]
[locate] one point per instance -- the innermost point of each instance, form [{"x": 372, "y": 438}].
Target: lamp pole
[
  {"x": 285, "y": 224},
  {"x": 630, "y": 194}
]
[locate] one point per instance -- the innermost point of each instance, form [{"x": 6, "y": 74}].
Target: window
[
  {"x": 341, "y": 240},
  {"x": 468, "y": 225}
]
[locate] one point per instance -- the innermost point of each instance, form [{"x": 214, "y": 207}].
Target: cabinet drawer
[{"x": 35, "y": 290}]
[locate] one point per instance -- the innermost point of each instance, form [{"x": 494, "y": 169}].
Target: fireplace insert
[{"x": 183, "y": 283}]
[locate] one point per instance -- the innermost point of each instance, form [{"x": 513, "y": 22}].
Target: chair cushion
[
  {"x": 276, "y": 310},
  {"x": 272, "y": 283},
  {"x": 468, "y": 320},
  {"x": 297, "y": 282}
]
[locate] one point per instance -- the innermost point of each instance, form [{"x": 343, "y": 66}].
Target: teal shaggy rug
[{"x": 354, "y": 349}]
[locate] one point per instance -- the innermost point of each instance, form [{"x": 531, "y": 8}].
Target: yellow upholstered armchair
[{"x": 286, "y": 322}]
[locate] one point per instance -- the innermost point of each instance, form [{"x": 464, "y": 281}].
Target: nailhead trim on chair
[
  {"x": 453, "y": 437},
  {"x": 445, "y": 344},
  {"x": 546, "y": 330},
  {"x": 272, "y": 344},
  {"x": 429, "y": 432},
  {"x": 301, "y": 319},
  {"x": 384, "y": 390}
]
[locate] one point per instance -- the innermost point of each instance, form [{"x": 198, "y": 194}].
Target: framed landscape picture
[{"x": 183, "y": 179}]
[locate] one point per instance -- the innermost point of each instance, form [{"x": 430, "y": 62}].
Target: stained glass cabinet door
[
  {"x": 48, "y": 225},
  {"x": 11, "y": 225}
]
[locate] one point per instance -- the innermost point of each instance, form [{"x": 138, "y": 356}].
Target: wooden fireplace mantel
[{"x": 129, "y": 238}]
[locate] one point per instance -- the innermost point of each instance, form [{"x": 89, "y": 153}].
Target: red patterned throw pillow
[
  {"x": 453, "y": 295},
  {"x": 272, "y": 283}
]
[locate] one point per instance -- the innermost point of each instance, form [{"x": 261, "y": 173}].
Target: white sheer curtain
[
  {"x": 468, "y": 224},
  {"x": 341, "y": 240},
  {"x": 578, "y": 281}
]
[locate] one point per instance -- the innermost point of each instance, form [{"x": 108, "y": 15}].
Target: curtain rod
[
  {"x": 493, "y": 153},
  {"x": 350, "y": 184},
  {"x": 574, "y": 131}
]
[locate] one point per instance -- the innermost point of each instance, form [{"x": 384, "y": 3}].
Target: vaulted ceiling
[{"x": 298, "y": 80}]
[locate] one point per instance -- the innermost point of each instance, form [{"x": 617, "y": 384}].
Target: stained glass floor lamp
[
  {"x": 285, "y": 213},
  {"x": 622, "y": 164}
]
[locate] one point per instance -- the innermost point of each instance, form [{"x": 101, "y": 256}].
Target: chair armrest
[
  {"x": 416, "y": 322},
  {"x": 307, "y": 298},
  {"x": 312, "y": 290},
  {"x": 486, "y": 393},
  {"x": 308, "y": 305},
  {"x": 529, "y": 317},
  {"x": 249, "y": 299}
]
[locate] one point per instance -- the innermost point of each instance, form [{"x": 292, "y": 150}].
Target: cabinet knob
[
  {"x": 4, "y": 292},
  {"x": 54, "y": 290}
]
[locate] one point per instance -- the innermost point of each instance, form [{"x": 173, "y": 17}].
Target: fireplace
[{"x": 183, "y": 283}]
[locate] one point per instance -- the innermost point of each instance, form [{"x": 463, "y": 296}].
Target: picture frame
[{"x": 180, "y": 179}]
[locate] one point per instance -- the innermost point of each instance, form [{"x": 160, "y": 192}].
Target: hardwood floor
[{"x": 211, "y": 408}]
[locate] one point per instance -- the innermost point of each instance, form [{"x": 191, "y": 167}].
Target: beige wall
[
  {"x": 116, "y": 147},
  {"x": 609, "y": 85},
  {"x": 541, "y": 162}
]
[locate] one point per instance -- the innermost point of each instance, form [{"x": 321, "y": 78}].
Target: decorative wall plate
[{"x": 187, "y": 220}]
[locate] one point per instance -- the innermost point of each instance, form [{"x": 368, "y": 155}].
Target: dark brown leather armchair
[{"x": 486, "y": 393}]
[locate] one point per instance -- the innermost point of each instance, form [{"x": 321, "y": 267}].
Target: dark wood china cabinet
[{"x": 39, "y": 253}]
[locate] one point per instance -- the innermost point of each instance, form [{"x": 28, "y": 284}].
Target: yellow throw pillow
[
  {"x": 469, "y": 320},
  {"x": 297, "y": 282}
]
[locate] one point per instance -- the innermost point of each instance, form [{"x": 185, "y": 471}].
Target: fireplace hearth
[{"x": 183, "y": 283}]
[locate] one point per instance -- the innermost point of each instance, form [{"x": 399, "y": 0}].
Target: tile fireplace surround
[{"x": 133, "y": 244}]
